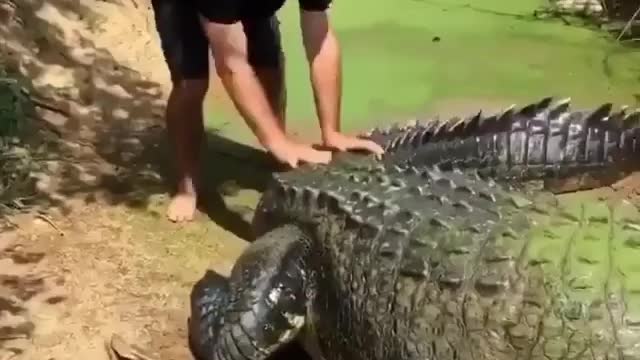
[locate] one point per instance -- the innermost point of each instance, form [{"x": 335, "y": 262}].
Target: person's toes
[{"x": 182, "y": 208}]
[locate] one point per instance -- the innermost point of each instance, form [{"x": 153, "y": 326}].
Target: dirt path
[{"x": 115, "y": 270}]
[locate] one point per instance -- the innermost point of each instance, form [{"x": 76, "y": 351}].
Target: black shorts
[{"x": 186, "y": 48}]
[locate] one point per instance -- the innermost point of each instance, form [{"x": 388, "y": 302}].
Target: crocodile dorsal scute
[{"x": 533, "y": 143}]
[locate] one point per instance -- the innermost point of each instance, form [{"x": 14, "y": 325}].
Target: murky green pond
[{"x": 491, "y": 51}]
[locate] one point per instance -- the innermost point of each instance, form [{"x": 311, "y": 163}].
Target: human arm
[
  {"x": 325, "y": 69},
  {"x": 229, "y": 45},
  {"x": 325, "y": 66}
]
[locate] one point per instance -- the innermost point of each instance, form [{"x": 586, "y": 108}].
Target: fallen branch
[
  {"x": 629, "y": 23},
  {"x": 48, "y": 220}
]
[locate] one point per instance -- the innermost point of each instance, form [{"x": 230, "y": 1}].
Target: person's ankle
[{"x": 187, "y": 186}]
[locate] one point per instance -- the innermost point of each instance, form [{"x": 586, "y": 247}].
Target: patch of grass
[
  {"x": 182, "y": 250},
  {"x": 16, "y": 108},
  {"x": 16, "y": 161}
]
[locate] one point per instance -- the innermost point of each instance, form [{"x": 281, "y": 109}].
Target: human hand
[
  {"x": 342, "y": 142},
  {"x": 292, "y": 153}
]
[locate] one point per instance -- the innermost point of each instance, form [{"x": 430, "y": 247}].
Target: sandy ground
[{"x": 98, "y": 258}]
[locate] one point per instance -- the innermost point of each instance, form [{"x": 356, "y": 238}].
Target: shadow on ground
[
  {"x": 105, "y": 121},
  {"x": 23, "y": 286}
]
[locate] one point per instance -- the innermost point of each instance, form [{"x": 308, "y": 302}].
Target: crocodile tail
[
  {"x": 413, "y": 134},
  {"x": 209, "y": 298},
  {"x": 537, "y": 142}
]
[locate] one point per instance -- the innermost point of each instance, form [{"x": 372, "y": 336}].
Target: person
[{"x": 244, "y": 39}]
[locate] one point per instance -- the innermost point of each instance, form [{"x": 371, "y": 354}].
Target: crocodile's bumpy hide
[{"x": 541, "y": 141}]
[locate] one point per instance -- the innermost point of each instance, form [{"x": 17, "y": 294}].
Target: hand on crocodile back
[
  {"x": 292, "y": 154},
  {"x": 342, "y": 142}
]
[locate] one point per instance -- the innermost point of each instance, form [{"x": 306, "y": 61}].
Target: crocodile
[
  {"x": 357, "y": 260},
  {"x": 542, "y": 141}
]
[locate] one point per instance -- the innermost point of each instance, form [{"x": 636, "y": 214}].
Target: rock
[
  {"x": 43, "y": 182},
  {"x": 120, "y": 114},
  {"x": 56, "y": 76}
]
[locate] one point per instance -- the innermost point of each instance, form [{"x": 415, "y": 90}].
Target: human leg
[
  {"x": 186, "y": 52},
  {"x": 185, "y": 127}
]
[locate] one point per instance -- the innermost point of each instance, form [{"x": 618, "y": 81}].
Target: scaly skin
[
  {"x": 377, "y": 264},
  {"x": 571, "y": 150}
]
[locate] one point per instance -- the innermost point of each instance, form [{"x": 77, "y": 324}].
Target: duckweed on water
[{"x": 405, "y": 56}]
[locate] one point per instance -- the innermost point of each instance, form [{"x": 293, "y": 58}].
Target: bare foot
[{"x": 182, "y": 207}]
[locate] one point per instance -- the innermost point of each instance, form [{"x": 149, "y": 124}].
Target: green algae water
[{"x": 405, "y": 57}]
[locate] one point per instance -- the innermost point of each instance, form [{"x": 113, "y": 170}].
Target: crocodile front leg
[{"x": 260, "y": 308}]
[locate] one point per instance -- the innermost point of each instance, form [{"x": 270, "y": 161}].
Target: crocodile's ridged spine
[
  {"x": 414, "y": 133},
  {"x": 538, "y": 141},
  {"x": 453, "y": 267}
]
